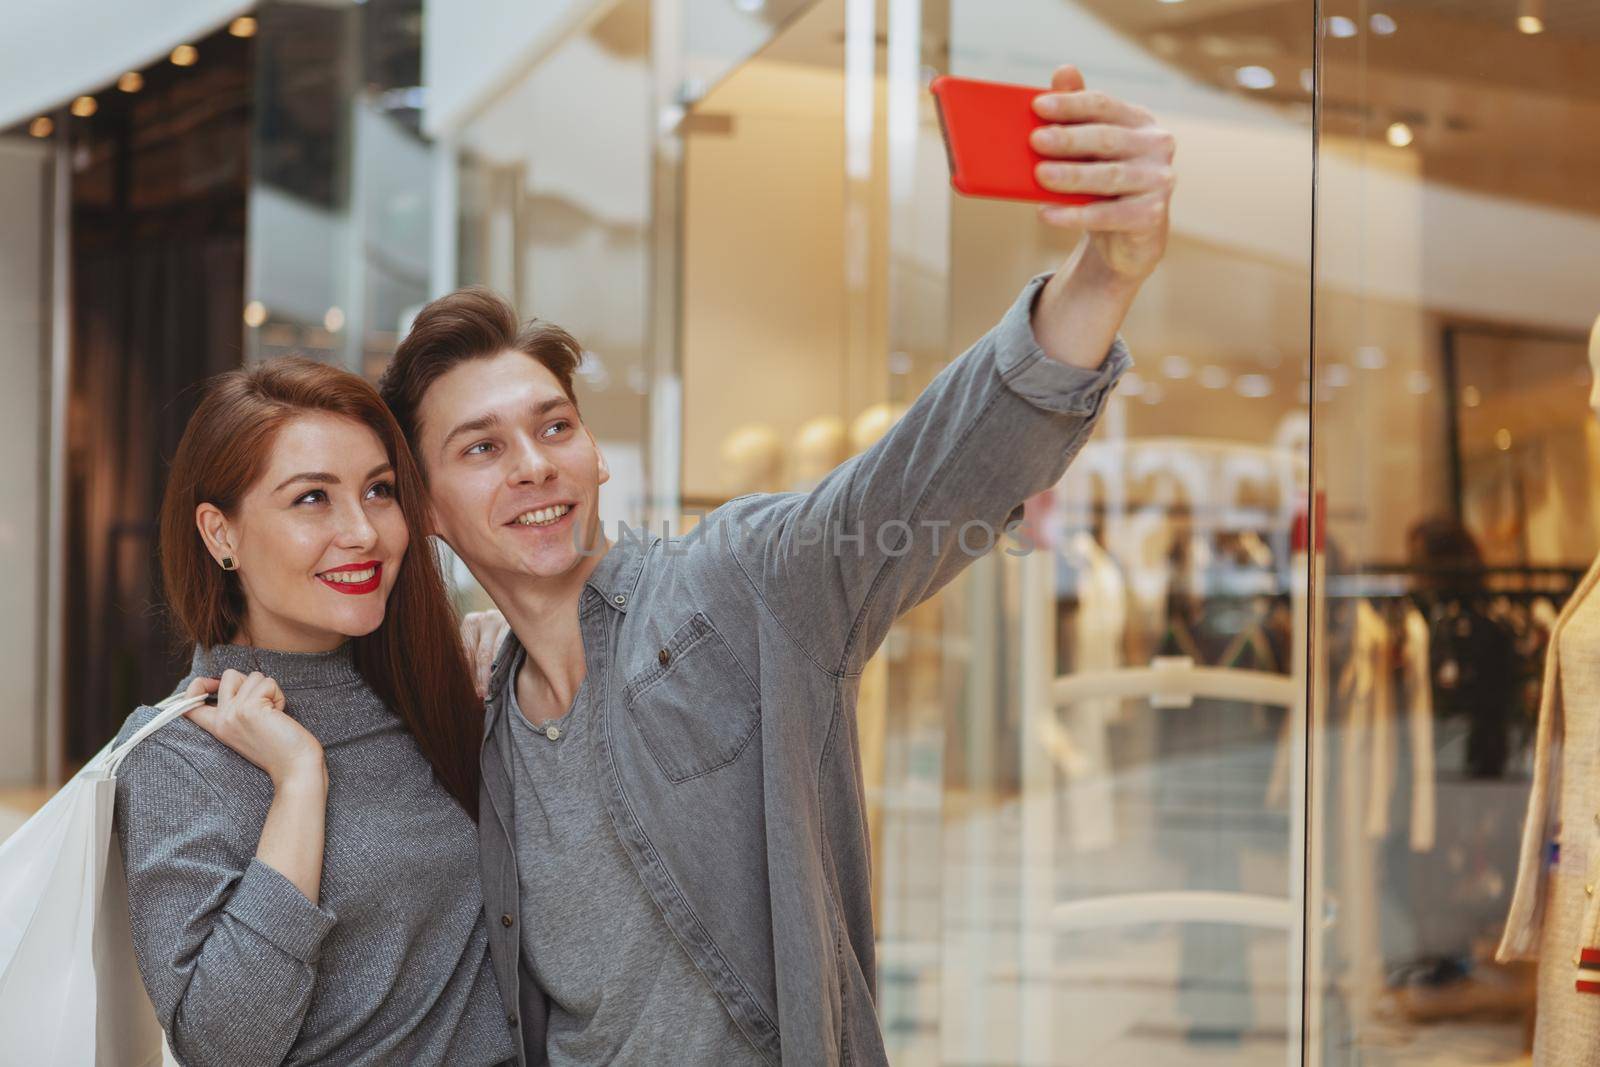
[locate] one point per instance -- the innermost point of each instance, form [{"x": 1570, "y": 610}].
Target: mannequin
[
  {"x": 873, "y": 423},
  {"x": 752, "y": 461},
  {"x": 820, "y": 445},
  {"x": 1556, "y": 908}
]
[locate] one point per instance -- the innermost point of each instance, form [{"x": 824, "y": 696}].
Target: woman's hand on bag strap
[{"x": 249, "y": 717}]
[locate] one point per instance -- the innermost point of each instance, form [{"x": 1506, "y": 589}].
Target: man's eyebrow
[
  {"x": 490, "y": 420},
  {"x": 329, "y": 479},
  {"x": 482, "y": 422}
]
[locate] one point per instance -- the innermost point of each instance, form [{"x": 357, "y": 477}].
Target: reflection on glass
[
  {"x": 718, "y": 35},
  {"x": 1121, "y": 880},
  {"x": 1456, "y": 454},
  {"x": 1110, "y": 780},
  {"x": 557, "y": 219},
  {"x": 340, "y": 193}
]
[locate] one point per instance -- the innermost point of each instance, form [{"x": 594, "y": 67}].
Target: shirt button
[
  {"x": 553, "y": 732},
  {"x": 506, "y": 920},
  {"x": 511, "y": 1020},
  {"x": 663, "y": 656},
  {"x": 620, "y": 599}
]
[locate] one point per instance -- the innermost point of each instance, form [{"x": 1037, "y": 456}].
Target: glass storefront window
[
  {"x": 1177, "y": 786},
  {"x": 1457, "y": 228}
]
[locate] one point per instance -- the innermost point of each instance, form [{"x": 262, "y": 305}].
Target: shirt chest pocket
[{"x": 696, "y": 708}]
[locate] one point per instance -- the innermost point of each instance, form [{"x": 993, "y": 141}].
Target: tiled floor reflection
[{"x": 962, "y": 994}]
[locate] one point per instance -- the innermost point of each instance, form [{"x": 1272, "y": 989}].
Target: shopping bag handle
[{"x": 169, "y": 709}]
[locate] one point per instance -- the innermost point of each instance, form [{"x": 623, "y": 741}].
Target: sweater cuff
[
  {"x": 1048, "y": 383},
  {"x": 272, "y": 906}
]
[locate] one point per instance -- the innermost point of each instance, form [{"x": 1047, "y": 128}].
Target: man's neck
[{"x": 543, "y": 613}]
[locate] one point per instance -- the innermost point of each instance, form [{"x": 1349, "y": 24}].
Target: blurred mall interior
[{"x": 1235, "y": 770}]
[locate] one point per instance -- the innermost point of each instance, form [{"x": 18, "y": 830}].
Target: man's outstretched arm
[{"x": 892, "y": 525}]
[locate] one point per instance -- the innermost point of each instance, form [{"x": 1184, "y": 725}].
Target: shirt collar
[
  {"x": 613, "y": 581},
  {"x": 617, "y": 573}
]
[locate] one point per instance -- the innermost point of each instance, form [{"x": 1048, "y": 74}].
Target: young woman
[{"x": 301, "y": 858}]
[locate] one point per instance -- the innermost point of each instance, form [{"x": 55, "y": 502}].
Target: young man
[{"x": 674, "y": 847}]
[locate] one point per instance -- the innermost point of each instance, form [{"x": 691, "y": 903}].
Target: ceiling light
[
  {"x": 1255, "y": 77},
  {"x": 131, "y": 82},
  {"x": 84, "y": 106},
  {"x": 185, "y": 55},
  {"x": 1371, "y": 357},
  {"x": 1400, "y": 135},
  {"x": 1382, "y": 24},
  {"x": 1530, "y": 16},
  {"x": 243, "y": 26},
  {"x": 1253, "y": 386},
  {"x": 255, "y": 313},
  {"x": 41, "y": 126},
  {"x": 1339, "y": 26}
]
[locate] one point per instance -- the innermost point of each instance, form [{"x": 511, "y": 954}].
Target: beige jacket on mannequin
[{"x": 1524, "y": 923}]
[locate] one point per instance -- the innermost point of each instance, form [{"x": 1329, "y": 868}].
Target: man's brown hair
[{"x": 471, "y": 323}]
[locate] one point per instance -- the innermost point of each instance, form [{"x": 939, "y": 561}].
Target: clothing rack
[{"x": 1397, "y": 580}]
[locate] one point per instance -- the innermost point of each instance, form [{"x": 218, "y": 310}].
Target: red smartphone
[{"x": 986, "y": 127}]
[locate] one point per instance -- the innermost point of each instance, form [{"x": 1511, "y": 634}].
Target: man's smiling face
[{"x": 513, "y": 474}]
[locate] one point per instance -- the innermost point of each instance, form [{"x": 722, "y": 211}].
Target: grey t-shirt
[{"x": 621, "y": 988}]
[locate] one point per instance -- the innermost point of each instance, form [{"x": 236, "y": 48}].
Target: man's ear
[
  {"x": 605, "y": 469},
  {"x": 215, "y": 532},
  {"x": 430, "y": 518}
]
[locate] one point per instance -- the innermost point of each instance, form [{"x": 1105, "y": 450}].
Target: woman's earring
[{"x": 228, "y": 564}]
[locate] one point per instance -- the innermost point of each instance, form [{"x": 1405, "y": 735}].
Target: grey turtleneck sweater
[{"x": 391, "y": 965}]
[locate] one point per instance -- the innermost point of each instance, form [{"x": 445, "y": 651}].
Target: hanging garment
[
  {"x": 1364, "y": 688},
  {"x": 1474, "y": 663},
  {"x": 1416, "y": 689}
]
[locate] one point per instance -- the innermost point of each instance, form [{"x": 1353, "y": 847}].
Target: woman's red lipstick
[{"x": 355, "y": 588}]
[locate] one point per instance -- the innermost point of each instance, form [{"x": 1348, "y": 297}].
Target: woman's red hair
[{"x": 414, "y": 661}]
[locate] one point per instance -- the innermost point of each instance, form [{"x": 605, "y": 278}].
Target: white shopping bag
[{"x": 70, "y": 992}]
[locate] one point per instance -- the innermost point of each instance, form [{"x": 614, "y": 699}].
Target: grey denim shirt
[{"x": 724, "y": 669}]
